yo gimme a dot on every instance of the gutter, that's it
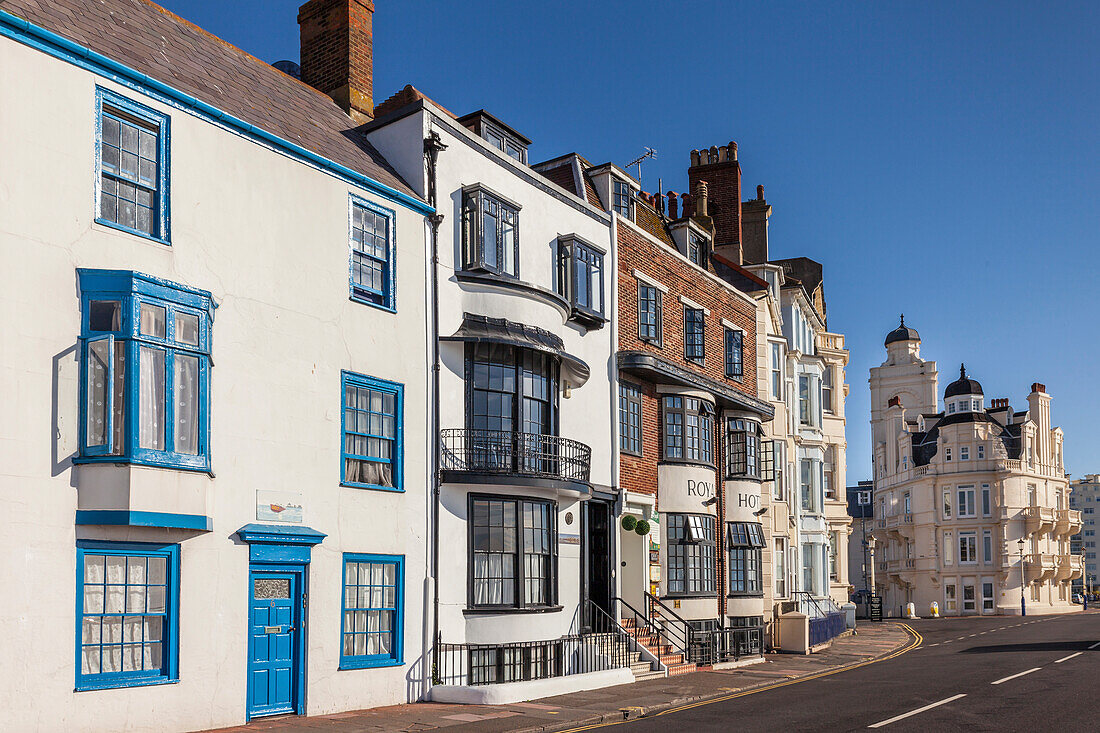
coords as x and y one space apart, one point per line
23 31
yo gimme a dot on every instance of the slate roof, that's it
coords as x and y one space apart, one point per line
925 445
160 44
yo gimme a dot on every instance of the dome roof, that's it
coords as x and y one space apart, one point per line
963 385
902 333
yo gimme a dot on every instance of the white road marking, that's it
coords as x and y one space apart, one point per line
1095 645
1014 676
914 712
1066 659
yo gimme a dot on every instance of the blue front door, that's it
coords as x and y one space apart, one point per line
274 651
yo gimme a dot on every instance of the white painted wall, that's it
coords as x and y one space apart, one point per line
268 236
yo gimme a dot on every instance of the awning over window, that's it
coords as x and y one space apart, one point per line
482 329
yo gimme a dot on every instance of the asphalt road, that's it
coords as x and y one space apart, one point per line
1036 673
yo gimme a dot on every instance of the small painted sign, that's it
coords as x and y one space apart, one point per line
279 506
569 539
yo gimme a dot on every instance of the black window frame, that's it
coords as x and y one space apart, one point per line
630 403
474 200
677 535
744 545
697 248
734 343
695 340
519 360
622 198
573 252
747 454
686 407
519 577
650 333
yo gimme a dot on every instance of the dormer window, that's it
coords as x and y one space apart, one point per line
623 202
501 140
697 249
951 408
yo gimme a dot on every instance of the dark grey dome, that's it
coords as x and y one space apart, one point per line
902 333
963 385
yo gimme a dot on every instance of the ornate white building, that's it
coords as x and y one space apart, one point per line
969 498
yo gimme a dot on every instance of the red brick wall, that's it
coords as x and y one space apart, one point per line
723 198
668 268
337 50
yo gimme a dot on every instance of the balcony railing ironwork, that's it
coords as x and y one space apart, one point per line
521 661
515 453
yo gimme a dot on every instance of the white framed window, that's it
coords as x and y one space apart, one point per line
964 453
947 454
777 372
951 408
950 601
780 567
967 507
981 452
968 548
827 390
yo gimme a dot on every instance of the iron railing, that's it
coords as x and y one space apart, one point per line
489 664
509 452
703 646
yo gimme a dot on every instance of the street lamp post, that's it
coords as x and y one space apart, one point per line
1023 605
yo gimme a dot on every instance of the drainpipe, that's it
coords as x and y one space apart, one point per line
432 147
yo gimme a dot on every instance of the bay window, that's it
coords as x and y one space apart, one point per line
581 280
689 429
691 554
744 543
490 232
144 370
743 449
513 558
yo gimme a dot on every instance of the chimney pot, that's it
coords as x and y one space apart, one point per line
713 154
672 209
700 198
760 192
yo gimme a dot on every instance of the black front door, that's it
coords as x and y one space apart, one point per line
597 582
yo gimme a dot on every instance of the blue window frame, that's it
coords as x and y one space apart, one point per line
373 254
127 614
373 432
373 611
145 370
131 166
735 347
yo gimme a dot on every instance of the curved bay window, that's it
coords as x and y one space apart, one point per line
744 543
689 429
490 232
691 554
743 455
513 553
511 407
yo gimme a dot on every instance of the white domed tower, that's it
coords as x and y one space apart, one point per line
903 378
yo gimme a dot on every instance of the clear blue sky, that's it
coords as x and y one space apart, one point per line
940 159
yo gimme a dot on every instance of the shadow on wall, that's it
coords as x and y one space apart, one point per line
65 412
417 678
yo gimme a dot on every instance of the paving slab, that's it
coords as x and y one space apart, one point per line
597 706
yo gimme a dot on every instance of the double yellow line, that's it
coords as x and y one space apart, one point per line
914 642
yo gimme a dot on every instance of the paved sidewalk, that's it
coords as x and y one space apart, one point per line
611 703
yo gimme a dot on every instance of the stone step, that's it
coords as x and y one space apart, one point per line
678 669
650 675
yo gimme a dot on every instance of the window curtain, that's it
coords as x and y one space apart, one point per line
185 390
151 399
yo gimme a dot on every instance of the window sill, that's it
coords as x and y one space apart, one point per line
349 664
590 319
688 596
117 683
123 460
686 462
504 611
136 232
366 301
744 477
373 487
747 594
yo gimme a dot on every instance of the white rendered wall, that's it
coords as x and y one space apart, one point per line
268 236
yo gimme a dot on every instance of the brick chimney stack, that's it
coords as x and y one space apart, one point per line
718 166
754 229
337 53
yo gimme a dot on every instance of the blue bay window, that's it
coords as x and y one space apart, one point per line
145 370
132 166
373 429
373 254
373 611
127 614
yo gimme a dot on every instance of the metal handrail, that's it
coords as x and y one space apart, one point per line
656 609
513 452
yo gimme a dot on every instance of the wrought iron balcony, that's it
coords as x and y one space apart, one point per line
510 454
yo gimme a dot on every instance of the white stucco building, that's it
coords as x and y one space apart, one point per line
1084 496
971 500
525 503
213 464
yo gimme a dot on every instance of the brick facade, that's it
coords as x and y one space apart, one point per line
337 57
